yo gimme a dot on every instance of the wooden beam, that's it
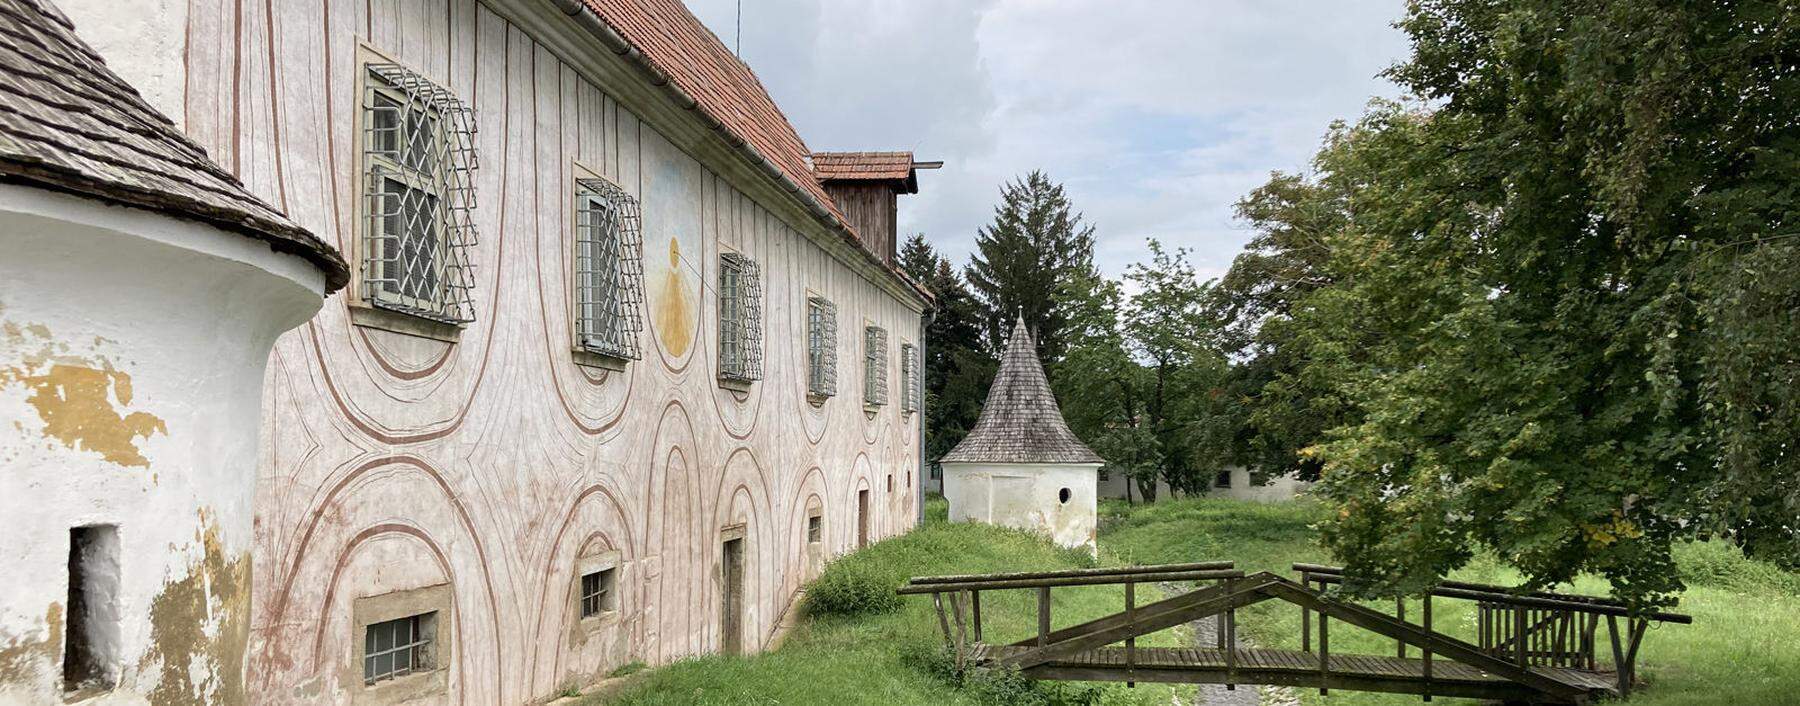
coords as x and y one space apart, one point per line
1242 593
1043 615
1068 573
975 612
1495 690
1117 619
994 585
1377 622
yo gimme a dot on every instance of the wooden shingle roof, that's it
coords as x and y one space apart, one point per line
68 123
1020 422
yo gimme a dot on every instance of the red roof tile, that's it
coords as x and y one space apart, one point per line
863 165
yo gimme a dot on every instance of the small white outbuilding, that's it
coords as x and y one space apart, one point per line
1021 466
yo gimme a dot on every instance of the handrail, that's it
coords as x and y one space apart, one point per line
1104 571
1500 594
994 585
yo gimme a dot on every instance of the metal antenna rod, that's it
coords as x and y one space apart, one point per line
740 30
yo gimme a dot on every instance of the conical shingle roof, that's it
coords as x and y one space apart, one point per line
70 124
1020 423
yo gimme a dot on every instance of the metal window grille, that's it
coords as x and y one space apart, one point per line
909 378
609 269
597 593
396 648
740 318
418 195
821 347
815 529
875 384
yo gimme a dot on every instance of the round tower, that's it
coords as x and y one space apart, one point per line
141 289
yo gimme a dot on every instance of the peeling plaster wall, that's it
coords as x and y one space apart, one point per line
132 350
1276 490
488 464
1026 496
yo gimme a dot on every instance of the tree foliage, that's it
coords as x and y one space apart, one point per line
958 368
1549 309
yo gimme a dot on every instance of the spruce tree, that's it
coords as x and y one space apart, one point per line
957 366
1036 244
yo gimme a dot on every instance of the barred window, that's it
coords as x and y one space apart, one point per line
875 384
609 269
396 648
418 195
821 347
740 318
909 378
598 594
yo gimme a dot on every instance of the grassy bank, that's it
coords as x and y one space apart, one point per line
892 657
1740 650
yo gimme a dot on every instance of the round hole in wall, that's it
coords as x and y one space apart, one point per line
1063 495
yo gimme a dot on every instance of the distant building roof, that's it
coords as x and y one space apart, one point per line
69 123
1020 422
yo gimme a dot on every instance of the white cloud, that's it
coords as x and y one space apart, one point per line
1156 115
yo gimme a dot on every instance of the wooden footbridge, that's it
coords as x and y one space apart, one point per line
1529 647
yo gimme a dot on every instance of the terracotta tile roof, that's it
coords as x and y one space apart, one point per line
678 45
69 123
863 165
1020 422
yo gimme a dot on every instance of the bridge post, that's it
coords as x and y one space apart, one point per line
1131 642
1519 631
1230 640
1043 615
975 612
1305 617
1426 610
1400 612
1324 653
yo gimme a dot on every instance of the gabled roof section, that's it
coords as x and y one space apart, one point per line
675 46
1020 422
68 123
676 43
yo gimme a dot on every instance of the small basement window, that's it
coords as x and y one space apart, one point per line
609 270
396 648
1222 479
815 529
418 196
91 630
740 318
598 594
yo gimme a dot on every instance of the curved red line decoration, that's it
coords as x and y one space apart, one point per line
394 370
280 606
627 553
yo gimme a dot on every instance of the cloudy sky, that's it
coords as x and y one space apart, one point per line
1156 114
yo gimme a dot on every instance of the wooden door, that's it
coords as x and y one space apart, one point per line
731 623
862 518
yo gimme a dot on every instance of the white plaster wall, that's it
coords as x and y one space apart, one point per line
1026 496
132 350
143 41
1276 490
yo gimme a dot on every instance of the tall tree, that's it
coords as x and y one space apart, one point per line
958 368
1034 246
1547 308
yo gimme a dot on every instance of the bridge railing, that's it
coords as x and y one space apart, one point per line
971 586
1531 629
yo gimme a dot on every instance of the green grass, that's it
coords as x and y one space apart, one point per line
1740 651
885 658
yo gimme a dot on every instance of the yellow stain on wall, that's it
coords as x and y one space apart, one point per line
79 401
674 312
